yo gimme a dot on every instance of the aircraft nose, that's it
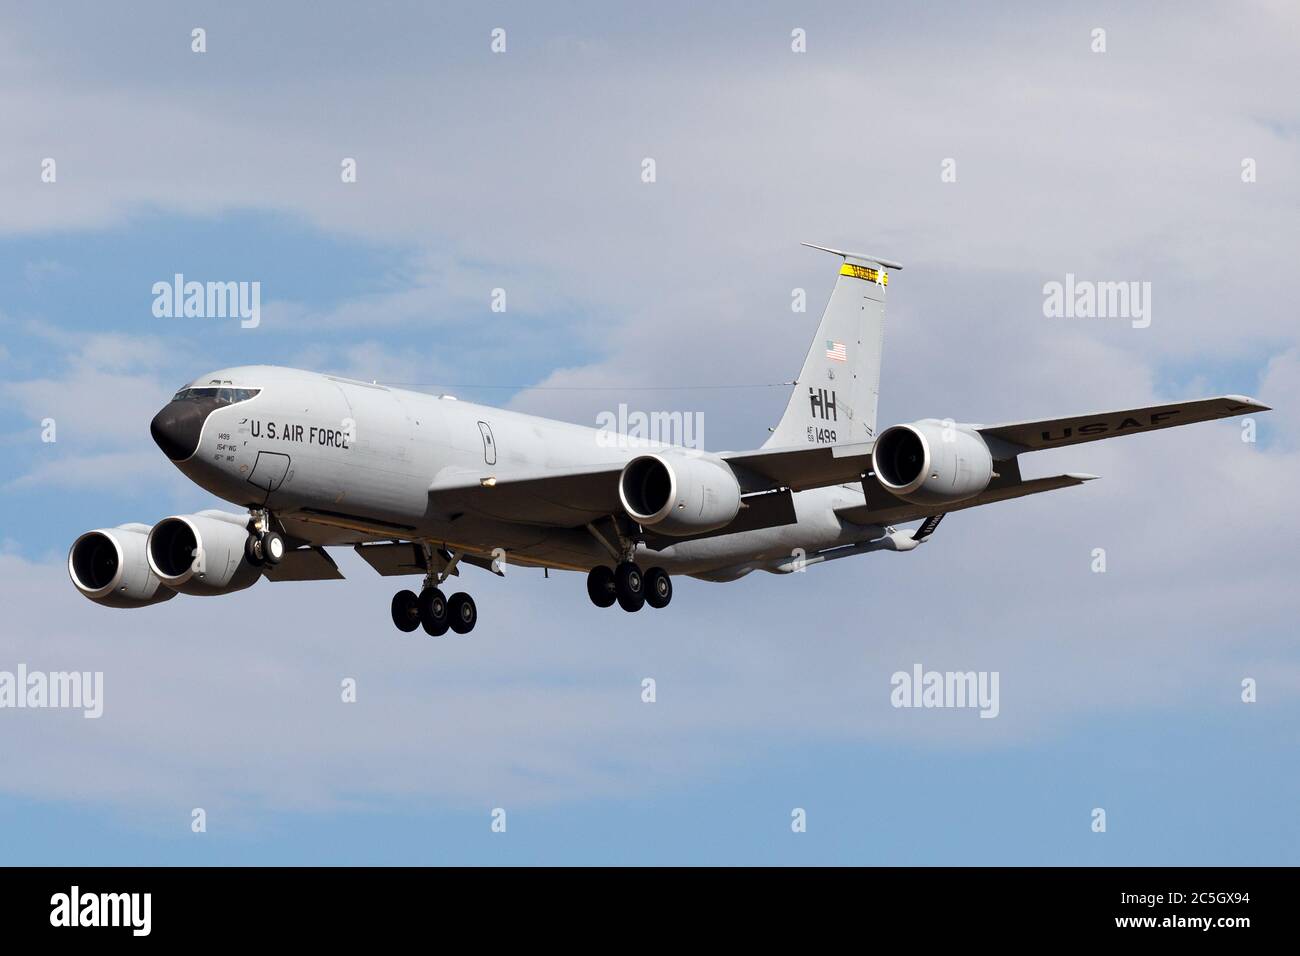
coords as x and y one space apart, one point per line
177 428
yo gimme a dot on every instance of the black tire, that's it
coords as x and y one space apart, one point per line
629 585
273 547
433 612
658 588
406 611
462 613
600 586
253 551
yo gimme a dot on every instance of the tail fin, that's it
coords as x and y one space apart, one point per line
834 398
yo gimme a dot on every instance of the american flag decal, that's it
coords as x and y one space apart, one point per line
836 351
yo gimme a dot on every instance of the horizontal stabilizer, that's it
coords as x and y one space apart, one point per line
899 511
1054 432
857 256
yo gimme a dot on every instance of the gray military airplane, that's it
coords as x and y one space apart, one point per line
423 485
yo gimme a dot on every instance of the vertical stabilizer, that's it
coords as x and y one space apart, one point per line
834 398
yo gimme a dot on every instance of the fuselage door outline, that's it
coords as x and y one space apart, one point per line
489 444
269 470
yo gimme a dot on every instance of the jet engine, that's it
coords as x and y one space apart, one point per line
932 462
202 553
110 567
679 494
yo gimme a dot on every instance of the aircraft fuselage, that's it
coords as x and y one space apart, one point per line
341 462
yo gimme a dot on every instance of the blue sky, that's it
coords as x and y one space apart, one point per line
521 171
880 806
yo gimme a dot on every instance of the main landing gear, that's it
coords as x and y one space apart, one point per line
433 610
626 584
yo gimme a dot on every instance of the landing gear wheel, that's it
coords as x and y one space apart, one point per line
462 613
629 585
406 611
253 551
600 586
658 588
433 612
272 547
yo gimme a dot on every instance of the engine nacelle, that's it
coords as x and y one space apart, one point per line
202 553
932 462
110 567
679 494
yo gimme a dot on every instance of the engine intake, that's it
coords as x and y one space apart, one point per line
202 554
932 462
109 566
679 494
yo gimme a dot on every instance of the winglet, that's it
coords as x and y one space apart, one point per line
859 256
1249 404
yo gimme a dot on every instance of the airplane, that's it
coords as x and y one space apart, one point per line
419 484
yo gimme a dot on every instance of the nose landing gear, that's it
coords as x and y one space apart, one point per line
267 548
263 546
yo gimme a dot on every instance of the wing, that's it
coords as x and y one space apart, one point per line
883 508
571 498
557 499
800 468
1053 432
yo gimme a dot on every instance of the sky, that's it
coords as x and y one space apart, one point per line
991 151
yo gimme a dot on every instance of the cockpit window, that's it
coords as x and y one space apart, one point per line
222 396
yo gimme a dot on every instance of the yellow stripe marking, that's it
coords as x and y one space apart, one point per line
865 272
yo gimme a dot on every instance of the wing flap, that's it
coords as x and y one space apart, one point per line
897 511
402 557
304 564
392 559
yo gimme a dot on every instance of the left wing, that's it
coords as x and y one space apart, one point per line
1054 432
559 499
896 510
800 467
572 497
